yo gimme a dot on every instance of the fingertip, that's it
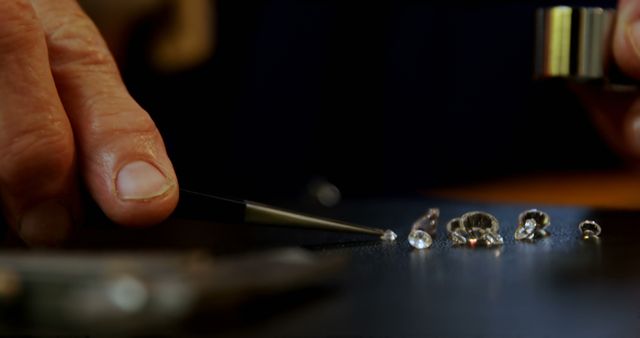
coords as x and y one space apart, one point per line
631 130
626 42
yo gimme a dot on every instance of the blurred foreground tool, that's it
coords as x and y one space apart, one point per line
138 292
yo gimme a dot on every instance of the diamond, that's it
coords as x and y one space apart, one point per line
428 222
532 224
420 239
458 237
389 236
589 229
527 230
475 228
490 238
479 220
484 237
588 234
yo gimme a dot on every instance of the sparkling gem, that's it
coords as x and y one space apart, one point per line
475 228
479 220
589 229
458 237
453 225
527 230
420 239
428 222
532 224
484 237
490 238
588 234
541 218
389 236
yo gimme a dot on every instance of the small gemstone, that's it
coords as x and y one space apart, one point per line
474 236
527 230
389 236
475 233
590 226
420 239
590 235
458 237
541 218
428 222
490 238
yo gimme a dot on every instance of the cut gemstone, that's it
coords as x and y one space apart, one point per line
590 229
458 237
479 220
389 236
588 234
526 231
420 239
475 229
428 222
490 238
541 218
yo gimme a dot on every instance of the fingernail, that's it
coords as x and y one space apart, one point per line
140 180
45 224
633 33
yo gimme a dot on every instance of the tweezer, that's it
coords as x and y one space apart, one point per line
200 206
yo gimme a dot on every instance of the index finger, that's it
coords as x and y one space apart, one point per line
122 155
626 38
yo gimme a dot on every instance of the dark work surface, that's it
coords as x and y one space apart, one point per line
559 286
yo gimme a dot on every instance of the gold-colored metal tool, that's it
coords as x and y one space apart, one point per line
201 206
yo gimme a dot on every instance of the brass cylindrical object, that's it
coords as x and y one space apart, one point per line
573 43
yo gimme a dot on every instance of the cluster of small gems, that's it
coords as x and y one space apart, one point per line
531 225
475 229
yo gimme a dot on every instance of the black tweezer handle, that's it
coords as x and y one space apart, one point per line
196 205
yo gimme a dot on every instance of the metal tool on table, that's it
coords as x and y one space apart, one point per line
195 205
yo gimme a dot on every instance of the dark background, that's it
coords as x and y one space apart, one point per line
376 97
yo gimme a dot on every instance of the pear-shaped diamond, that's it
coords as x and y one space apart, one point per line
527 230
458 237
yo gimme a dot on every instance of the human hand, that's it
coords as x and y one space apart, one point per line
617 112
66 119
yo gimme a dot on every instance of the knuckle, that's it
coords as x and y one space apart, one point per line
19 25
114 125
34 157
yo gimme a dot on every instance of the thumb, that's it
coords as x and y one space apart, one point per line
626 38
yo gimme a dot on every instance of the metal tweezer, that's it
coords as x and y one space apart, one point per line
196 205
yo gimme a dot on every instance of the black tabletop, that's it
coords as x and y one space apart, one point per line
560 285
